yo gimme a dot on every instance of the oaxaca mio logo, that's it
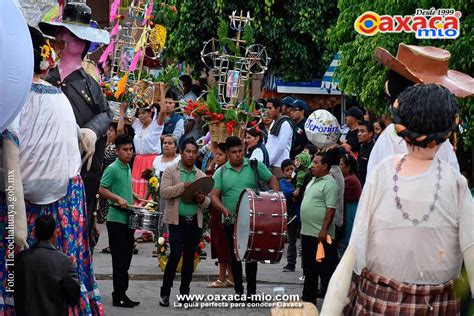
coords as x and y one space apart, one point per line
426 24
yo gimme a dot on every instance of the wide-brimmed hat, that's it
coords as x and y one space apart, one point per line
427 64
77 19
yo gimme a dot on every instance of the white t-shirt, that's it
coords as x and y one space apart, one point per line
49 148
428 253
389 143
147 140
160 166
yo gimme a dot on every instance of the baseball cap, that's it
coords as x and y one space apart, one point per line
300 104
355 112
288 101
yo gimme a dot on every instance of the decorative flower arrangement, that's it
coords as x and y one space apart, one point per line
163 244
154 188
109 90
48 56
163 254
170 76
153 184
213 114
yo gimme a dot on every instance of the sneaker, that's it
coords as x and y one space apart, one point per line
289 268
165 301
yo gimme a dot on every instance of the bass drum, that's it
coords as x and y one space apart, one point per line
260 231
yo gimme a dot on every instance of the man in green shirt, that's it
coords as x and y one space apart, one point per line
229 181
116 186
317 213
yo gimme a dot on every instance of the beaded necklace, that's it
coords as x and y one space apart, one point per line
398 203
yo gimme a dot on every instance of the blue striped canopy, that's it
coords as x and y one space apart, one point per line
329 82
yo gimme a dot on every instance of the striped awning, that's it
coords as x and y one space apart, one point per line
329 82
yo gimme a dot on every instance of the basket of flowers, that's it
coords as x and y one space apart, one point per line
132 96
225 121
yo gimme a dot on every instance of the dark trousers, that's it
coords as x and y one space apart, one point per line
184 239
293 229
313 270
250 267
91 181
121 245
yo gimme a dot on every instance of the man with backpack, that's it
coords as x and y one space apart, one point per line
280 137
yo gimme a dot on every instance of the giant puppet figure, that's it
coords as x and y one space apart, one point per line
15 83
90 107
414 224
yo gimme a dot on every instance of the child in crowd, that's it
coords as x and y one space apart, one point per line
310 149
293 204
116 186
302 164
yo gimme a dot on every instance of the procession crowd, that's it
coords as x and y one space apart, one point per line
343 201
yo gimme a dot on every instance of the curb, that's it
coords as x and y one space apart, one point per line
196 277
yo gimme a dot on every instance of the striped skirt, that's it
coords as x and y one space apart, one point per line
372 294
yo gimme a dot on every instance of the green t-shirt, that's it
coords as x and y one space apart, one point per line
117 178
320 194
186 209
233 182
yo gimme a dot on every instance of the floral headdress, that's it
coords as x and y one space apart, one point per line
49 57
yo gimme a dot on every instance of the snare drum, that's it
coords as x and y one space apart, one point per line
260 230
143 219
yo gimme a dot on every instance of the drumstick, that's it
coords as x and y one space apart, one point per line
118 206
292 219
152 202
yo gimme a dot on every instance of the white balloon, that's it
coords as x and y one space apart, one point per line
322 129
16 62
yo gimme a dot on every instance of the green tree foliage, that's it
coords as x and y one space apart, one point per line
293 31
361 75
196 22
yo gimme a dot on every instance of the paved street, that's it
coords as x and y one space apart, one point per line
146 276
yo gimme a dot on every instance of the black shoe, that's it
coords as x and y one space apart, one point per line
289 268
127 299
123 303
165 301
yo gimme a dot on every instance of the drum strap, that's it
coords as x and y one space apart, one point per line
259 185
222 178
